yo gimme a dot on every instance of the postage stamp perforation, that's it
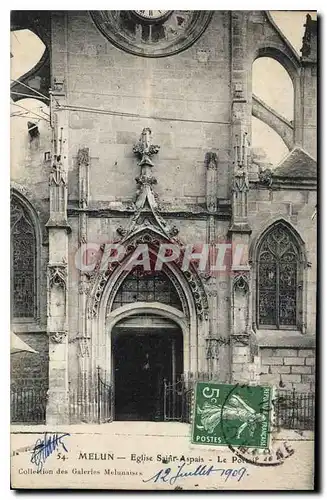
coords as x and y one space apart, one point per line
227 414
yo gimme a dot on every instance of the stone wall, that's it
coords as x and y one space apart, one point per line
192 91
288 368
27 163
309 89
245 367
29 369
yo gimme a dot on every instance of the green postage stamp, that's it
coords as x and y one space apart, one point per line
232 415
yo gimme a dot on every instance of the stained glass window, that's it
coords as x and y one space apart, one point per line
143 286
278 274
23 262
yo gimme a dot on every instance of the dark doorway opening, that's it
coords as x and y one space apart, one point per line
142 361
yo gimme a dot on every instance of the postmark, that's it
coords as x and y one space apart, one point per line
278 452
232 415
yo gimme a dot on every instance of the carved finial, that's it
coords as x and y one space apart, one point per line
144 149
306 48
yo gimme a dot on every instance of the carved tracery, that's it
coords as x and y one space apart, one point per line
57 275
241 282
278 278
147 286
23 254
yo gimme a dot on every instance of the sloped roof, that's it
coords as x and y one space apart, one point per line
297 164
18 345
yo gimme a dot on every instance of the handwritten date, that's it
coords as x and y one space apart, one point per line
170 476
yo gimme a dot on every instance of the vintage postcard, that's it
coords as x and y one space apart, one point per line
163 249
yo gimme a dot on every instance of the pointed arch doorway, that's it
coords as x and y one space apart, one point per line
146 345
166 294
146 351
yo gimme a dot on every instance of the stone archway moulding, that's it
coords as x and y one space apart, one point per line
103 349
99 319
189 281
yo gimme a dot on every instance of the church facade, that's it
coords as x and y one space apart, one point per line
150 248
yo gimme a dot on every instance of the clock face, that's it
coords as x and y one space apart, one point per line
152 33
152 14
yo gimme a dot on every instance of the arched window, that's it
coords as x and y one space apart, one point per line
23 262
278 279
143 286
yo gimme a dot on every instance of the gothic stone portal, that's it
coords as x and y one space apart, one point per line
142 359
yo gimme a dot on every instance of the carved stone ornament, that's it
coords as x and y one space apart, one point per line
153 239
84 347
146 199
57 174
121 231
213 345
57 337
307 38
144 149
57 275
241 150
265 177
82 239
212 206
83 156
199 294
240 183
241 282
146 180
241 338
205 276
211 160
173 231
84 287
247 339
